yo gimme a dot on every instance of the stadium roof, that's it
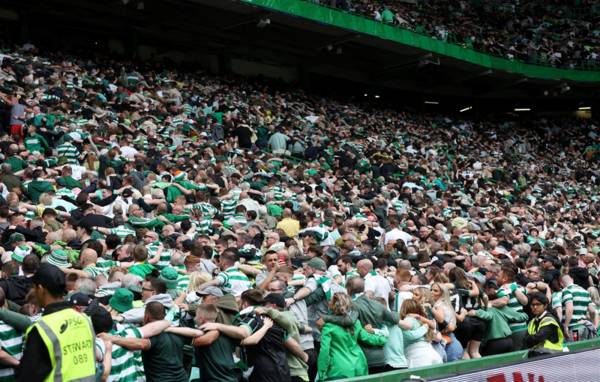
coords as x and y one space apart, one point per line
232 29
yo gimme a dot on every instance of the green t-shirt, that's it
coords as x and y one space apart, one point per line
141 270
16 163
387 16
163 362
216 361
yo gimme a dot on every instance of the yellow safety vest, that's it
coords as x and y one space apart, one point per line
550 347
69 338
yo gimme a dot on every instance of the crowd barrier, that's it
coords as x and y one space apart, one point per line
577 365
367 26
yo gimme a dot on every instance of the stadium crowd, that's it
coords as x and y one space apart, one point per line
555 33
219 227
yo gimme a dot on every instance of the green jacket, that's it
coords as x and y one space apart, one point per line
498 320
368 312
340 356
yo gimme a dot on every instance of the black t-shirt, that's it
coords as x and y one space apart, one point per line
163 362
269 356
244 136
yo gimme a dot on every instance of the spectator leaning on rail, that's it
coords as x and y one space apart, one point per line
544 334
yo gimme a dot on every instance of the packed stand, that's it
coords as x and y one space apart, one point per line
215 229
554 33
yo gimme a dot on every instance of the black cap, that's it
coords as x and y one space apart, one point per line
298 261
50 277
275 299
80 299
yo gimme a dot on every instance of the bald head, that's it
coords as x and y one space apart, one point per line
363 267
88 256
355 285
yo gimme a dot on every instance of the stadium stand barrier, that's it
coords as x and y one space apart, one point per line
375 28
430 373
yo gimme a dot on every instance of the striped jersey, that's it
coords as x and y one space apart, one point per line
69 151
127 365
508 290
11 341
580 299
557 300
228 207
207 209
122 232
233 281
165 256
95 271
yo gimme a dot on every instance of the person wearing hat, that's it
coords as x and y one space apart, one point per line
170 276
58 258
14 240
61 343
122 300
210 294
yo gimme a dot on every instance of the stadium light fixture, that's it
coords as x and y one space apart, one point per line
432 103
366 95
263 22
522 109
376 95
585 108
466 109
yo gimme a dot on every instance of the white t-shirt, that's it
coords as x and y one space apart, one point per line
379 285
397 234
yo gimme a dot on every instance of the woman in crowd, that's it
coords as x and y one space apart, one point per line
419 351
445 317
544 332
340 355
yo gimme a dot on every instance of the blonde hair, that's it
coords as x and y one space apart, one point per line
197 279
594 295
341 304
425 295
445 297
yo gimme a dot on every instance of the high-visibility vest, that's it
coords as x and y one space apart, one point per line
547 346
69 338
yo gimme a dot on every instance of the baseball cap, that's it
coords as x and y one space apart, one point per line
275 299
210 291
50 277
15 238
122 300
80 299
317 263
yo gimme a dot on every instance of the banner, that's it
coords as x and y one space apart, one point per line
568 367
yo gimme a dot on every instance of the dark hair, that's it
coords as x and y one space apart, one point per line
539 296
253 297
112 241
30 263
95 245
156 310
158 285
